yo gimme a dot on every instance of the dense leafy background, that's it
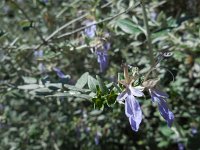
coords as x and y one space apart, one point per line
30 122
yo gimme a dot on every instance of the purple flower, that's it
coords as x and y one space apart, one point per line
181 146
132 107
153 15
102 56
97 137
102 50
90 31
1 106
6 9
59 73
160 98
194 130
38 54
87 130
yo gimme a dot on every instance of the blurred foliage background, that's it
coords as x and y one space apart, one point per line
29 122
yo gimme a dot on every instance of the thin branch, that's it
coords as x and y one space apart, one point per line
68 24
106 5
99 22
71 22
46 41
65 25
50 37
29 19
148 33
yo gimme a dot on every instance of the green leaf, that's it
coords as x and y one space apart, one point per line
53 86
1 33
25 24
166 131
60 95
50 55
102 85
95 112
82 81
74 88
98 103
28 87
101 117
92 83
111 98
29 80
84 96
128 26
41 92
163 144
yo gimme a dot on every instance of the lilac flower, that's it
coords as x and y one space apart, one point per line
90 31
194 130
87 130
1 125
1 106
181 146
38 54
97 137
59 73
102 50
132 107
160 98
6 9
153 15
102 56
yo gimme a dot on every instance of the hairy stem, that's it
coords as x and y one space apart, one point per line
148 33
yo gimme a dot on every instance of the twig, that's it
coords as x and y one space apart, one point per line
71 22
29 19
148 33
50 37
99 22
66 25
106 5
46 41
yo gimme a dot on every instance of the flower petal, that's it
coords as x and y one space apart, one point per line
90 31
133 112
160 93
59 73
181 146
136 92
102 58
154 97
135 123
122 96
106 46
165 112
